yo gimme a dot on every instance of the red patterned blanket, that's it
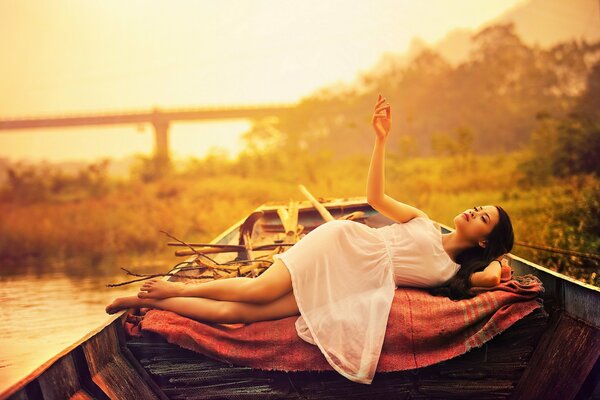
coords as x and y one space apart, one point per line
422 329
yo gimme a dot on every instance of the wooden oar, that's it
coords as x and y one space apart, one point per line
320 208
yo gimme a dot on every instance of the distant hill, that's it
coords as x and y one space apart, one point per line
541 22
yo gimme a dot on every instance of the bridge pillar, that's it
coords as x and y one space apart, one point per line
161 141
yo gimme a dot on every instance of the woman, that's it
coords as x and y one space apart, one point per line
340 277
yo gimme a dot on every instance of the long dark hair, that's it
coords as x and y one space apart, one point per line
476 258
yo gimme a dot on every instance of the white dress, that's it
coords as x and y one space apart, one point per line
344 274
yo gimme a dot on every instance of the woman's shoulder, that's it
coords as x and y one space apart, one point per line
426 221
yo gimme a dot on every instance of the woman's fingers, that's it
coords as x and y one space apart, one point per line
382 117
382 108
386 114
379 114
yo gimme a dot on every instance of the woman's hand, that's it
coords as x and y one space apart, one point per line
490 275
382 118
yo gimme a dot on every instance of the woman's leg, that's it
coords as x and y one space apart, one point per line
227 312
273 283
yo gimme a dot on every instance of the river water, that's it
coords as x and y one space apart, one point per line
45 308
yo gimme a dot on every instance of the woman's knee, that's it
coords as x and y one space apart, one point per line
234 312
272 284
230 312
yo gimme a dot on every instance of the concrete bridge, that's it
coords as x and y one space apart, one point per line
160 119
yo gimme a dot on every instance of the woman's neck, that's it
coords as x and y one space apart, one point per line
454 244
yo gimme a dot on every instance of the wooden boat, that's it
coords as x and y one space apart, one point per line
549 354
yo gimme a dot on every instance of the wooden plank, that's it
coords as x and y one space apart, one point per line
591 387
562 360
135 363
61 381
20 395
110 370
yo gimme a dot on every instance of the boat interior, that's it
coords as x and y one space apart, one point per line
551 352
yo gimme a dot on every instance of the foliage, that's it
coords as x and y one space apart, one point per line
31 183
148 169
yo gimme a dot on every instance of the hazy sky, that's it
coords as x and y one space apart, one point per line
76 56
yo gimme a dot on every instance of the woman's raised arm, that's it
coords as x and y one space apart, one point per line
376 197
381 123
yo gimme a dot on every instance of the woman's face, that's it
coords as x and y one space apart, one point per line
476 223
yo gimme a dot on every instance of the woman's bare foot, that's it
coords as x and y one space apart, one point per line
158 289
121 303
